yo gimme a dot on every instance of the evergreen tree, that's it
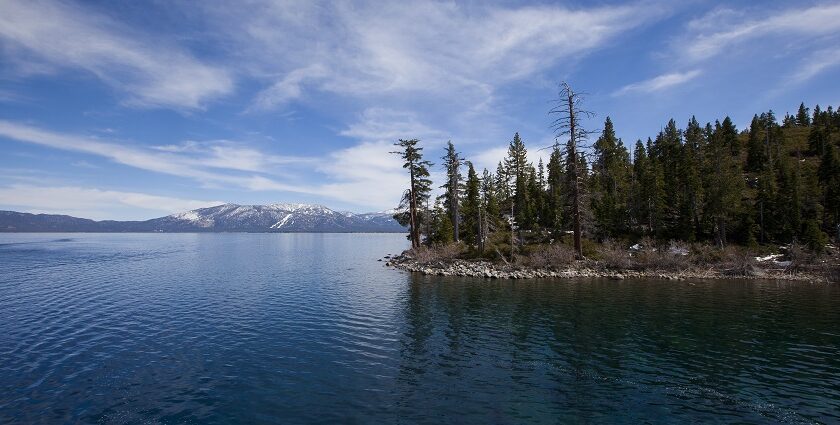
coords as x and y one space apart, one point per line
610 177
648 189
471 208
418 191
691 166
516 164
666 155
802 117
724 184
556 200
490 203
757 158
451 195
535 199
442 229
829 179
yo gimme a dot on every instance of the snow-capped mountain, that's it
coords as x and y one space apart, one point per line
226 218
275 218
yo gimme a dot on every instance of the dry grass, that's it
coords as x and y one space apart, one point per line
738 262
547 256
612 255
429 254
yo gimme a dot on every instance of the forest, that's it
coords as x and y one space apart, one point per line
774 183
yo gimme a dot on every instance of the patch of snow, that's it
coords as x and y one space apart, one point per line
282 222
635 247
187 216
677 250
770 257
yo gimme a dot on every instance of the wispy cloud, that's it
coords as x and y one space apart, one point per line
49 35
200 163
658 83
816 64
719 30
93 203
459 52
346 174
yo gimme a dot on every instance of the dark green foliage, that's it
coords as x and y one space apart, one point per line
554 212
610 183
516 165
774 184
451 195
802 118
442 229
417 195
647 194
471 207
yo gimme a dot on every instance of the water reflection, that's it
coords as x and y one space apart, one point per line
570 351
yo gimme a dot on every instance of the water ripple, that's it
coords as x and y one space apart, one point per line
311 329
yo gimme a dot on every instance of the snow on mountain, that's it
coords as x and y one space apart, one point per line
220 218
282 217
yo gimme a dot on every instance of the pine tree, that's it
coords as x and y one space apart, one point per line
452 163
516 164
418 191
757 153
829 178
666 155
442 229
802 117
724 184
648 190
691 166
489 199
556 199
471 208
535 199
610 177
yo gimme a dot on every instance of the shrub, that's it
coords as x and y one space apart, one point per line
546 256
814 237
613 256
738 262
440 252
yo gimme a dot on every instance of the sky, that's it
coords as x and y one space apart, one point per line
135 110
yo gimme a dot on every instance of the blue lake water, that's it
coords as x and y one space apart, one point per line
310 328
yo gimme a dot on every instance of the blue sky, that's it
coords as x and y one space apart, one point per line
133 110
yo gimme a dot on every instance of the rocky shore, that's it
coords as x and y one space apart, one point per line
584 269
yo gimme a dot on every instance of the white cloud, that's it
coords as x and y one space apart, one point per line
93 203
198 161
444 50
366 174
658 83
721 29
382 124
48 35
816 64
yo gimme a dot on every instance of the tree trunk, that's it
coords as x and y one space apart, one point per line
412 207
575 177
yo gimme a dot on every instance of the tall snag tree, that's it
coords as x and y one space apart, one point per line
569 112
451 197
419 190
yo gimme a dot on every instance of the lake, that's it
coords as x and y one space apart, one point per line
311 328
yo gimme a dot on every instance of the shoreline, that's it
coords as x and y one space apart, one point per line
490 270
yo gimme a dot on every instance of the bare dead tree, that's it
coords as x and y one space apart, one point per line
568 111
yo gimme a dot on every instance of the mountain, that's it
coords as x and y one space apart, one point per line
273 218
